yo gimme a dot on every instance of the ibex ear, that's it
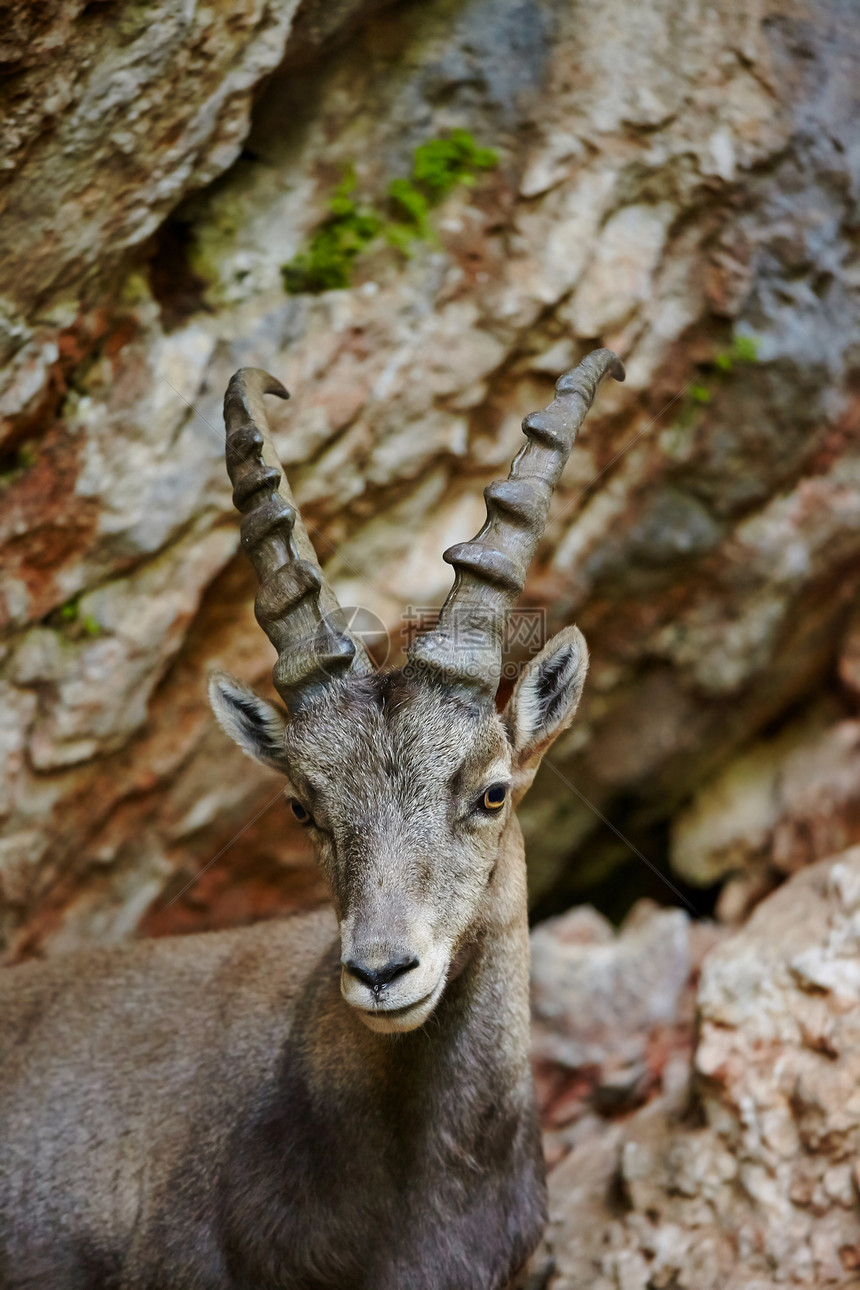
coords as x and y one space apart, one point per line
255 725
544 702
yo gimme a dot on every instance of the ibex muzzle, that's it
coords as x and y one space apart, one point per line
266 1107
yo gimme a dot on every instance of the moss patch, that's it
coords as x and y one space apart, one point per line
441 164
70 614
401 218
327 262
725 363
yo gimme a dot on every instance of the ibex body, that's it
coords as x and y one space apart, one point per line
338 1101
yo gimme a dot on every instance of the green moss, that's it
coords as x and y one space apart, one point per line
327 262
441 164
410 206
744 349
70 613
438 166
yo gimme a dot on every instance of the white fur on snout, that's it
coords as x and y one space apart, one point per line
416 991
386 1024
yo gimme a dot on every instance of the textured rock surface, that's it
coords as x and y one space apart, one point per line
612 1013
112 112
671 178
593 994
782 804
743 1176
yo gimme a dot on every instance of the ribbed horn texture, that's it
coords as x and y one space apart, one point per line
295 606
490 571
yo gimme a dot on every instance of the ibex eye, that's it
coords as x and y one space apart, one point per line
494 798
299 812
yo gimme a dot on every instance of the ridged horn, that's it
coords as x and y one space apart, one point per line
295 606
490 571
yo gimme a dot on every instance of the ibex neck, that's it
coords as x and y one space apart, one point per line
487 996
404 1144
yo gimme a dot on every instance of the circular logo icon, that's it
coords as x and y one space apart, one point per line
362 625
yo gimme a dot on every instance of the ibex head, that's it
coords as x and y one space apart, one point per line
406 780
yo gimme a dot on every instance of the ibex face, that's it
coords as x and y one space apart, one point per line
406 789
406 780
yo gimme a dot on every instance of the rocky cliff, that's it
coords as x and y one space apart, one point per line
677 181
738 1169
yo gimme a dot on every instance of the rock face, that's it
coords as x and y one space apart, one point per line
782 804
610 1012
113 113
676 182
744 1174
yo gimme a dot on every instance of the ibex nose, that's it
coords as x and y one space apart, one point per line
376 978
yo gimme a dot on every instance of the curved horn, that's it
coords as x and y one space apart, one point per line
295 606
490 571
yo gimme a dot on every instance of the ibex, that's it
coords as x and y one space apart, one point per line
285 1107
